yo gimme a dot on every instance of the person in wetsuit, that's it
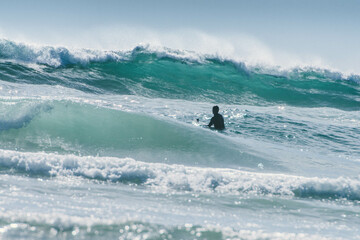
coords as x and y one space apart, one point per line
217 120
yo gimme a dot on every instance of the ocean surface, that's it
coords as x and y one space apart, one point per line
105 145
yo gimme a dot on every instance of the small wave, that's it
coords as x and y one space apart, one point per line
47 226
163 177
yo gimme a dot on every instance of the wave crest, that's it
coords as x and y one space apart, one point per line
53 56
176 74
62 57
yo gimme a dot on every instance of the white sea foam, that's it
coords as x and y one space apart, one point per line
164 177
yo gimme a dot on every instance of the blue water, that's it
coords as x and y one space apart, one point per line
105 144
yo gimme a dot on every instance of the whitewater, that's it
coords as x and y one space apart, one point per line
99 144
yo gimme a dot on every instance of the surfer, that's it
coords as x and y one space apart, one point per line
217 120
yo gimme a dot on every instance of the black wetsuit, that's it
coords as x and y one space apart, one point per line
218 122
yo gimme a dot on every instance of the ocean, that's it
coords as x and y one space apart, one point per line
99 144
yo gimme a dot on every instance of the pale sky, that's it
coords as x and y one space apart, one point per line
278 31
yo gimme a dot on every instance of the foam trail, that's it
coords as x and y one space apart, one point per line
164 177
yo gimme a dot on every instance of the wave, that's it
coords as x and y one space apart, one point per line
92 228
78 128
176 74
155 130
165 177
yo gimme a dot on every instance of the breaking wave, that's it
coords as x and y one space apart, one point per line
164 177
177 74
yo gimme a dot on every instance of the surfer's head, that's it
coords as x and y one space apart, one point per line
215 109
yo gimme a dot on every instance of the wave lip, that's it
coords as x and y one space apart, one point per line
62 56
14 118
164 177
54 56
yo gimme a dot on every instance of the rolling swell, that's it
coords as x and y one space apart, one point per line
177 75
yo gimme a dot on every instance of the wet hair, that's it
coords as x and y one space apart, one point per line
215 109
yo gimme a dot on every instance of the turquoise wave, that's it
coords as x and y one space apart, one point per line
174 75
93 129
74 128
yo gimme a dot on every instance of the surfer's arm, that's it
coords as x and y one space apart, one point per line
211 122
